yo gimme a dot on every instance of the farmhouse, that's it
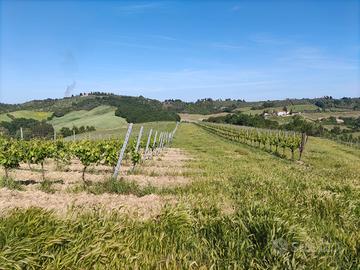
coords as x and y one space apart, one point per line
339 121
282 113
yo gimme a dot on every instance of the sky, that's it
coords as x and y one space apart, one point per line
252 50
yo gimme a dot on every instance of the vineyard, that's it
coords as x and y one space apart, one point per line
225 203
106 152
269 140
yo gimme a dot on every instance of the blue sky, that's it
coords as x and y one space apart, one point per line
252 50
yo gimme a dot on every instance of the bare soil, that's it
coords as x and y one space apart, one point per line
164 170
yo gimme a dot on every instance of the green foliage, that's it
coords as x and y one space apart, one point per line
10 183
66 132
245 120
87 152
110 150
140 109
116 186
46 186
10 154
31 128
256 137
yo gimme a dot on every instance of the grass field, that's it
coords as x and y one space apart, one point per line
315 116
26 114
120 132
295 108
102 117
244 209
198 117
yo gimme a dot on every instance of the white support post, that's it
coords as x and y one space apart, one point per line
147 144
54 135
154 144
21 133
122 152
139 139
165 139
160 143
74 135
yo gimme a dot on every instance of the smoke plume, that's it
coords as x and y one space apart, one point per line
69 89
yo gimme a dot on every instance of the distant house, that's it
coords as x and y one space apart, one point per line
282 113
339 121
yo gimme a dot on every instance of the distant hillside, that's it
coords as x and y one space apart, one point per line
133 109
141 109
210 106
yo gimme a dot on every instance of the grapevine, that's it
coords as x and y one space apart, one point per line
258 137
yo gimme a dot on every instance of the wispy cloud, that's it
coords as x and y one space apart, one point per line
316 58
163 37
227 46
139 7
133 45
268 39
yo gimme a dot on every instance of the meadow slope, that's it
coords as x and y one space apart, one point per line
244 209
101 117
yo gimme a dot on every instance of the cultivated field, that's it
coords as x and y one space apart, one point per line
204 202
102 117
25 114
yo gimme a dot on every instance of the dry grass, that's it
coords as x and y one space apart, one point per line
143 207
57 193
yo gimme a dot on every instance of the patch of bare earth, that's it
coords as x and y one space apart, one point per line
143 207
164 170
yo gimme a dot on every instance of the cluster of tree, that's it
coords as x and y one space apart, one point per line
297 123
96 93
245 120
203 106
66 132
328 102
352 123
31 128
265 105
140 109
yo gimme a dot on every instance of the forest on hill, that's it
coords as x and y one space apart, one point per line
134 108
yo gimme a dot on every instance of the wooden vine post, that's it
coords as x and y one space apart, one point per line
139 139
304 138
122 152
160 143
154 143
147 144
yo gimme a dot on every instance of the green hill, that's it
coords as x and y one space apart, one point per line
102 117
25 114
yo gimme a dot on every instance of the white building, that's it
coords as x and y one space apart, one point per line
283 113
339 121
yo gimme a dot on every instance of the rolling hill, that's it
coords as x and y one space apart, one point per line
102 117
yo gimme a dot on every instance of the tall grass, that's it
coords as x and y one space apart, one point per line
115 186
10 183
284 215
